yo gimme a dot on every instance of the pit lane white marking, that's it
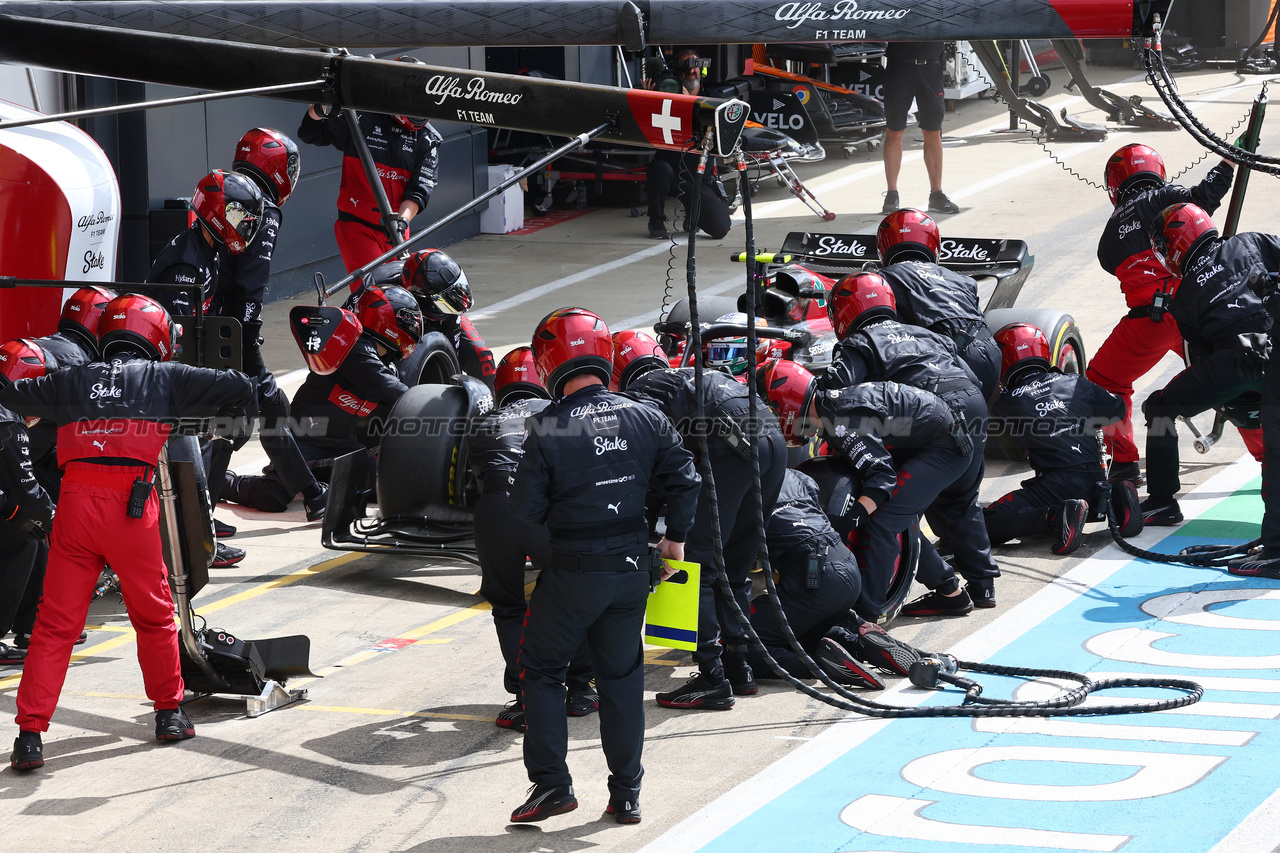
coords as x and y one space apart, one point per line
666 122
1184 609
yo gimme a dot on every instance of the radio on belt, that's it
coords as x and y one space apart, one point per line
139 493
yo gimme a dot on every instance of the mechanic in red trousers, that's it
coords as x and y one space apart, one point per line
1139 188
113 418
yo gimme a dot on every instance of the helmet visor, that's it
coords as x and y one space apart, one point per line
410 321
242 220
454 299
731 352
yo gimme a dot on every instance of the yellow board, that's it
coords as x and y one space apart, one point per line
671 619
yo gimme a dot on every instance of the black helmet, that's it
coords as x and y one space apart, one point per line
438 282
411 123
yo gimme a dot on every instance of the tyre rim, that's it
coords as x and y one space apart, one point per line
1068 361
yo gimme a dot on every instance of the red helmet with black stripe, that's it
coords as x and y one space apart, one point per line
271 159
908 235
230 206
858 299
1133 166
571 342
789 390
391 315
1178 233
1022 346
137 322
438 282
634 354
517 378
23 358
82 311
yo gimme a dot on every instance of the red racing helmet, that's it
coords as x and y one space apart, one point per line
23 358
517 378
230 206
139 322
1178 233
438 282
391 315
1022 346
789 390
908 235
634 354
82 311
571 342
1133 165
858 299
271 159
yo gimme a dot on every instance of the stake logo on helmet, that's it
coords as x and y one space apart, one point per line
858 299
634 354
558 360
908 235
517 378
230 206
82 312
1133 167
1178 233
137 322
391 315
438 282
1022 347
789 390
271 159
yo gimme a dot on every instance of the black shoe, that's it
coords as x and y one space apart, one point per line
741 680
886 653
222 530
172 724
939 203
1130 471
545 801
28 751
1067 526
1128 510
1161 512
982 596
624 811
316 506
937 604
890 203
9 655
699 693
23 641
1263 563
658 229
581 701
511 716
226 556
841 666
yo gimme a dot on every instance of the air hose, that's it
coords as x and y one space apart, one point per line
1199 556
1067 703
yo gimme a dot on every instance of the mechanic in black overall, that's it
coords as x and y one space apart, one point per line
444 295
269 159
26 510
722 643
932 296
495 444
1225 325
342 411
589 462
905 446
1053 416
875 347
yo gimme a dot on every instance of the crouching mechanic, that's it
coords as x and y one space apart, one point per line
113 420
589 461
905 446
504 542
1053 417
444 295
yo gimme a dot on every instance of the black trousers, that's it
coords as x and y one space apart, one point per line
719 632
982 355
1025 511
607 610
955 516
267 492
662 180
1211 381
1271 454
20 582
810 612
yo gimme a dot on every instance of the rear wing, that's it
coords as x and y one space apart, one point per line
1006 261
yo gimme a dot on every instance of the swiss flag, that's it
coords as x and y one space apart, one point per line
665 120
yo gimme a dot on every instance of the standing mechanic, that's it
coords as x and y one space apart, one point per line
875 347
113 420
913 71
930 295
589 462
406 152
1139 188
444 295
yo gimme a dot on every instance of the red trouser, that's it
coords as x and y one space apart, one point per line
1134 346
359 243
92 528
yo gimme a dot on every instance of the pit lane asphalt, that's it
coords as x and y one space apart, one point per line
395 749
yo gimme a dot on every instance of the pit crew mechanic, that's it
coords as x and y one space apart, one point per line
444 296
589 462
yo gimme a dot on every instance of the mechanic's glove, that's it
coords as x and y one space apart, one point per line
31 526
1253 351
401 226
853 518
322 110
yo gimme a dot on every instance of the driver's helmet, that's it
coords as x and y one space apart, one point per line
730 354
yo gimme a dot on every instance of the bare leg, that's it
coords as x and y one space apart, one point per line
932 158
893 158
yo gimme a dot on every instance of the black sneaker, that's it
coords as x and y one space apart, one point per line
742 680
841 666
226 556
1130 471
624 811
1161 512
222 530
316 506
23 641
699 693
28 751
983 596
1128 510
511 716
172 724
937 604
581 701
544 802
658 229
890 203
1067 526
9 655
886 653
1263 563
939 203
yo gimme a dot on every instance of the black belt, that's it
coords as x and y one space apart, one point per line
596 563
1154 310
